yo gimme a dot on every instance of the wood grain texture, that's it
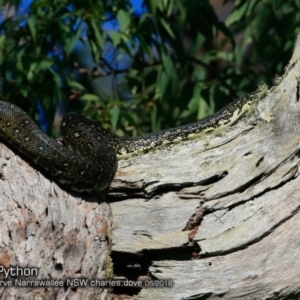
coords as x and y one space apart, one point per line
218 215
239 191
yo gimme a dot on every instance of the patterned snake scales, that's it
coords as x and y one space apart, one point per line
90 161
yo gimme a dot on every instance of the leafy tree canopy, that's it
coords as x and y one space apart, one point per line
172 63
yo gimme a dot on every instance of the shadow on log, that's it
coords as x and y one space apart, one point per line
217 215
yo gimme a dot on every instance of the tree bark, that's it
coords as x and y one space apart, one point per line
217 215
44 227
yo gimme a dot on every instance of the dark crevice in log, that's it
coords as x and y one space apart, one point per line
250 183
134 266
134 193
138 264
251 242
127 292
259 161
167 188
241 202
248 153
266 190
195 219
128 266
213 179
176 187
124 194
240 189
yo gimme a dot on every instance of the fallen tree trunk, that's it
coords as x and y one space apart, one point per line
216 216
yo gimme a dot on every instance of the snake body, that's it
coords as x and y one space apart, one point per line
90 161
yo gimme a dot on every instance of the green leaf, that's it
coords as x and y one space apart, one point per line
123 18
170 7
45 64
31 21
89 97
97 51
31 71
116 37
167 27
76 85
73 40
56 78
155 124
243 9
97 37
114 113
197 43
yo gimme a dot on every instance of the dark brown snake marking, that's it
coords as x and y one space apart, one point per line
90 161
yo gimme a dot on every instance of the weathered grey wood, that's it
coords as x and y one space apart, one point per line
229 200
248 218
267 269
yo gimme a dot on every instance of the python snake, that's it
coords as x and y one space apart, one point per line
90 161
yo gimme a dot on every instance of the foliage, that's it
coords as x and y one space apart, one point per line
185 62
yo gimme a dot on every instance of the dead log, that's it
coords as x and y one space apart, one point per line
217 215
